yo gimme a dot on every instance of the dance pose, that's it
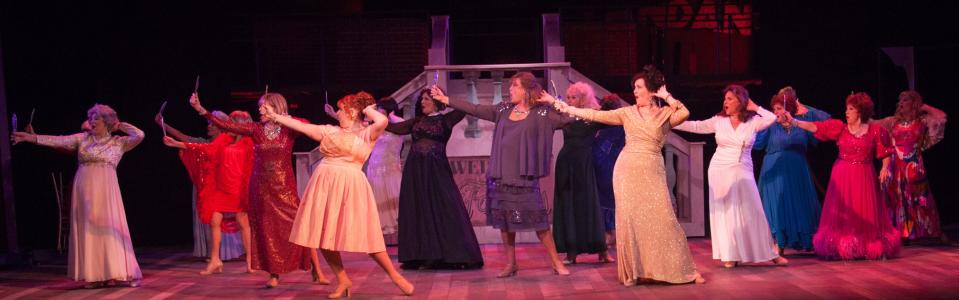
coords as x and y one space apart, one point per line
520 156
273 199
737 222
435 227
785 181
650 243
100 248
221 171
577 217
855 222
231 243
914 128
339 210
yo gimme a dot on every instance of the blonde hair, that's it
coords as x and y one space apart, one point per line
277 101
586 95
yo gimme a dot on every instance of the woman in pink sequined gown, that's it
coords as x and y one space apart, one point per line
914 128
339 210
100 246
273 199
855 221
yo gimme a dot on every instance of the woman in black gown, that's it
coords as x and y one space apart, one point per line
577 218
434 226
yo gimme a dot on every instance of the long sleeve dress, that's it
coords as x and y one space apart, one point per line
785 182
435 227
339 209
855 222
273 200
738 226
912 204
100 245
577 216
521 154
650 242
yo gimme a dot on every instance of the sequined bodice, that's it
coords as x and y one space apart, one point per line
859 150
104 150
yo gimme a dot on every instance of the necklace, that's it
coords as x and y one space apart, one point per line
271 130
517 111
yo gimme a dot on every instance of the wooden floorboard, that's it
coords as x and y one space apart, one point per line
921 272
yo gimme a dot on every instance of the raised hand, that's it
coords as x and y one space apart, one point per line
437 94
266 110
21 136
545 97
329 110
663 93
751 106
169 141
195 103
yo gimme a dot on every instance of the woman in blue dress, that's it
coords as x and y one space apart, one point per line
785 182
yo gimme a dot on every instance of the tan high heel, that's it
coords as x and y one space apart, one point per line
211 269
345 292
781 261
510 271
405 286
273 282
317 279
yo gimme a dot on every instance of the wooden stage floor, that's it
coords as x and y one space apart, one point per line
921 272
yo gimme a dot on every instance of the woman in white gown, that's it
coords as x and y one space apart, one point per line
100 246
738 227
384 172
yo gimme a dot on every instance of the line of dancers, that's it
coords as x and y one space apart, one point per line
610 183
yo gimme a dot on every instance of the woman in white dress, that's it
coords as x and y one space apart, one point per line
100 246
384 172
738 226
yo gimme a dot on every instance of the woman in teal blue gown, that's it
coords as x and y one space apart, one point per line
785 182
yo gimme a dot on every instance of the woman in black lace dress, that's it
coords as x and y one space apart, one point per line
434 226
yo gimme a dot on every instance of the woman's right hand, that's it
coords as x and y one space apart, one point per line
267 112
21 136
195 103
437 94
329 110
169 141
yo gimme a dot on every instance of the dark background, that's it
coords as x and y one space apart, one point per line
62 57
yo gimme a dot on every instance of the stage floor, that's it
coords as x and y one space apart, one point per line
921 272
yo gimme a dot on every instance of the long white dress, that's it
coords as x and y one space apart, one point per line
100 246
738 226
385 174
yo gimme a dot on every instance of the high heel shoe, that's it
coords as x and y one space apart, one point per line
345 292
563 272
508 272
780 261
211 269
699 279
730 264
569 260
273 282
405 286
606 258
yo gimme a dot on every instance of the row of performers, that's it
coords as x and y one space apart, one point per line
610 183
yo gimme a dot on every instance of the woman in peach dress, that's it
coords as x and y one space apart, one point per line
339 210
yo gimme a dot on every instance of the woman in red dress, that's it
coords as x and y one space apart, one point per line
273 199
855 221
221 171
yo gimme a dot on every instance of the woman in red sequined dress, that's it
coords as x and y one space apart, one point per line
273 199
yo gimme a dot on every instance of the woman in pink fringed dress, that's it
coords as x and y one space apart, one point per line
855 221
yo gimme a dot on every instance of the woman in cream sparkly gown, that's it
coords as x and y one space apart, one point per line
650 243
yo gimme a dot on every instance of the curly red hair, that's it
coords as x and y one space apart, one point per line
356 102
863 103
